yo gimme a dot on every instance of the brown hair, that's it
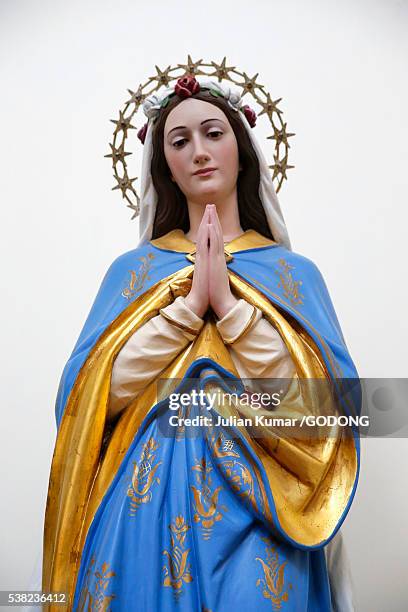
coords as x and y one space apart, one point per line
172 210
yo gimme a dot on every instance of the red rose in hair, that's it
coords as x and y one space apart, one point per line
142 133
250 115
186 86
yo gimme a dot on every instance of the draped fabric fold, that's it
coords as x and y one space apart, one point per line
167 518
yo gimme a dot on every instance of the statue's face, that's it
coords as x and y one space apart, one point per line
198 135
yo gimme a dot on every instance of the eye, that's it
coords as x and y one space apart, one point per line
176 143
214 133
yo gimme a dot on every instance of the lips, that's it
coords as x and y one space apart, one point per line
204 171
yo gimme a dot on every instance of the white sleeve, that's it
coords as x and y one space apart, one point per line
256 346
150 350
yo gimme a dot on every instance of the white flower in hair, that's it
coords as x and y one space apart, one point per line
231 94
153 103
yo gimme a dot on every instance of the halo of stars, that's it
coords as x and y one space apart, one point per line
221 71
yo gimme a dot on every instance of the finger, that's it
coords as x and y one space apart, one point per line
205 246
201 246
205 215
208 222
218 224
213 241
201 263
202 234
217 230
203 222
207 239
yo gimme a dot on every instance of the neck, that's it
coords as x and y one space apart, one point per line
227 210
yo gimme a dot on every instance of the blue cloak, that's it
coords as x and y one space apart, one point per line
141 520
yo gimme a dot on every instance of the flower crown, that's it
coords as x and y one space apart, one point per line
186 87
213 76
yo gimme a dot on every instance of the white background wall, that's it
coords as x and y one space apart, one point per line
64 71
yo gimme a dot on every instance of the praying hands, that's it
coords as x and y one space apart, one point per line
210 285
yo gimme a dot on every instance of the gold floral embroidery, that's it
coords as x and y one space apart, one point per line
138 279
206 499
97 600
241 480
144 476
177 570
273 581
237 473
182 413
289 286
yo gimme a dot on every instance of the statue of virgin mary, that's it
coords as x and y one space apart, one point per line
173 485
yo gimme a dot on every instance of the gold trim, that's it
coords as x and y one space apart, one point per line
176 240
182 326
245 330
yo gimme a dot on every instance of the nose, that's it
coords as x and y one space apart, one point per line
200 153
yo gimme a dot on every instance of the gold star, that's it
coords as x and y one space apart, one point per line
135 208
191 67
117 154
281 136
221 70
269 106
123 123
137 96
124 183
280 166
162 76
249 84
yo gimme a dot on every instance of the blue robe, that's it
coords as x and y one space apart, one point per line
143 516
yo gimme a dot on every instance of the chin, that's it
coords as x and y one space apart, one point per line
209 192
